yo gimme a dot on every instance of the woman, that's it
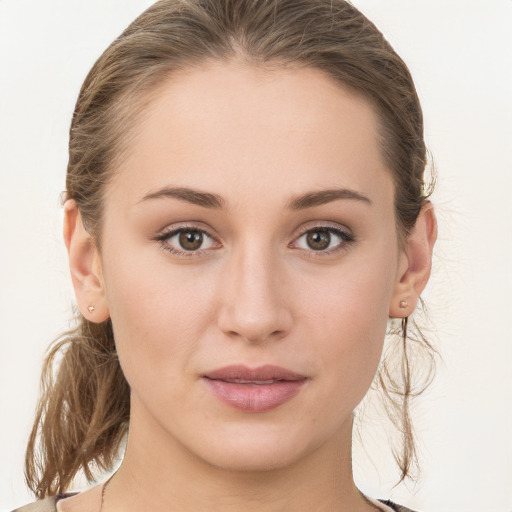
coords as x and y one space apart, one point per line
245 211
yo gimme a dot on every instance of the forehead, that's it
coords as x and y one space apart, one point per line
260 130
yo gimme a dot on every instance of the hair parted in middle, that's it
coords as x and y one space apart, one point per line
84 410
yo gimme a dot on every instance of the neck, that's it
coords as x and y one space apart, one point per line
160 474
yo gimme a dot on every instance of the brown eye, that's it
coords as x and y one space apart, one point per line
318 240
323 240
187 241
190 240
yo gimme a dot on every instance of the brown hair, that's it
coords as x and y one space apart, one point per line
83 413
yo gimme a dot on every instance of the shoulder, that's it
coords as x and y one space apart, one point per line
48 504
394 506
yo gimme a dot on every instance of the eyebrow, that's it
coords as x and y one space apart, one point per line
311 199
214 201
205 199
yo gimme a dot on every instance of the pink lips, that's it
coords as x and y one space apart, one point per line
254 390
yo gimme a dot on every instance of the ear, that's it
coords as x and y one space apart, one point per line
415 263
85 266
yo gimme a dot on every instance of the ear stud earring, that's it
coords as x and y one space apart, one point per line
403 304
91 308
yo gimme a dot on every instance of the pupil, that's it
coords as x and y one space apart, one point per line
319 240
191 240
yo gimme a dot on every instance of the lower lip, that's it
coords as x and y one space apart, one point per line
255 397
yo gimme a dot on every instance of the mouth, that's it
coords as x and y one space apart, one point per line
254 389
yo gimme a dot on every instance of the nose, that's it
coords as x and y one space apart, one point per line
255 303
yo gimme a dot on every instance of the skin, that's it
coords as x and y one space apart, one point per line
256 294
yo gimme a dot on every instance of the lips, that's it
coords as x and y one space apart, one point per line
254 389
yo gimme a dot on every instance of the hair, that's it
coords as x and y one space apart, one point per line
84 409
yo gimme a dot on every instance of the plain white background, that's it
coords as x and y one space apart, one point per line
460 54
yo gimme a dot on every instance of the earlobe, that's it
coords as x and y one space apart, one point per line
415 263
84 265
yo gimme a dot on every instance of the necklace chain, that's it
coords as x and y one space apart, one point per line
103 491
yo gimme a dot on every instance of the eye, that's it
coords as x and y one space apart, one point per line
186 241
323 239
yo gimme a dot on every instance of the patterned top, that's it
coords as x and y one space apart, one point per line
49 504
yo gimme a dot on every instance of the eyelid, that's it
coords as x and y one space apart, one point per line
326 226
168 232
344 233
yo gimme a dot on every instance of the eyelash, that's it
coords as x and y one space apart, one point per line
163 239
346 239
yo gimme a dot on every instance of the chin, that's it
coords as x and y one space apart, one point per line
253 459
252 449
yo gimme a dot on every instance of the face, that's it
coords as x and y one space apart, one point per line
249 257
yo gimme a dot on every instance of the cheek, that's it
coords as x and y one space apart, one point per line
158 317
350 317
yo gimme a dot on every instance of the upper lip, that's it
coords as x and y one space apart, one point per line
244 374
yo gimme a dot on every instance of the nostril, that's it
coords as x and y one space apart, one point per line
252 307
